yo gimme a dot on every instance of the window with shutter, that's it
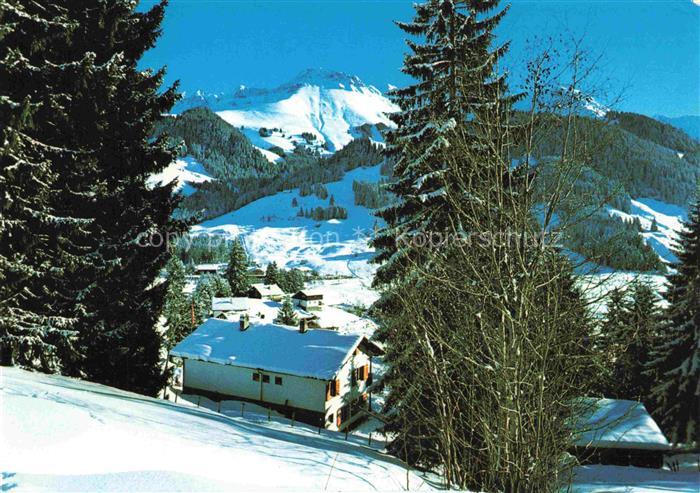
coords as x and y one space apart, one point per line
333 388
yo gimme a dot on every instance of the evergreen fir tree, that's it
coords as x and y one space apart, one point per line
36 331
454 68
100 106
613 330
285 314
115 106
219 285
177 309
271 273
628 333
237 270
201 299
456 88
291 281
676 356
633 382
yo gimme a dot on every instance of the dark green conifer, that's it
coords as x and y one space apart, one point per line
675 360
271 273
237 270
285 314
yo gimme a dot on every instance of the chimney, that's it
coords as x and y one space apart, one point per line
244 322
303 325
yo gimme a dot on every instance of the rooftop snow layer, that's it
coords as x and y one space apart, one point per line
316 353
230 304
616 423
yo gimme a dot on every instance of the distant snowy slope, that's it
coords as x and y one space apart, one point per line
329 105
185 171
272 230
63 434
669 221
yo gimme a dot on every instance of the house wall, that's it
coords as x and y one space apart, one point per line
347 393
309 304
298 392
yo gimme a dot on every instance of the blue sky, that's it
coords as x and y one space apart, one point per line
651 49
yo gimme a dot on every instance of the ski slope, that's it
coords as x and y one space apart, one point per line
669 220
63 434
272 231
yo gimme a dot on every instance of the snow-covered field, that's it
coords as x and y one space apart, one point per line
596 286
618 479
62 434
272 230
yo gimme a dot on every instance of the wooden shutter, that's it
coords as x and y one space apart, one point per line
365 372
337 386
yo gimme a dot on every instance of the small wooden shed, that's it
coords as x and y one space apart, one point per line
619 432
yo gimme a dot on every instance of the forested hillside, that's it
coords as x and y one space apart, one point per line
656 131
242 173
638 156
627 156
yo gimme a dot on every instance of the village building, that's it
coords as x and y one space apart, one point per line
319 377
209 269
267 292
229 307
256 275
621 433
308 299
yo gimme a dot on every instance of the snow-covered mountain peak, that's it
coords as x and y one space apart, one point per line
318 107
328 79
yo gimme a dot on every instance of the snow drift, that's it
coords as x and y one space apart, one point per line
62 434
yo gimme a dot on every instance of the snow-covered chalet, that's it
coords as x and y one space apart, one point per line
315 376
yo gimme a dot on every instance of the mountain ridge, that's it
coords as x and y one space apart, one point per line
690 124
319 108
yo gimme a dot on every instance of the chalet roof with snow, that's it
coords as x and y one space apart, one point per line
308 294
230 304
617 423
268 289
209 267
276 348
